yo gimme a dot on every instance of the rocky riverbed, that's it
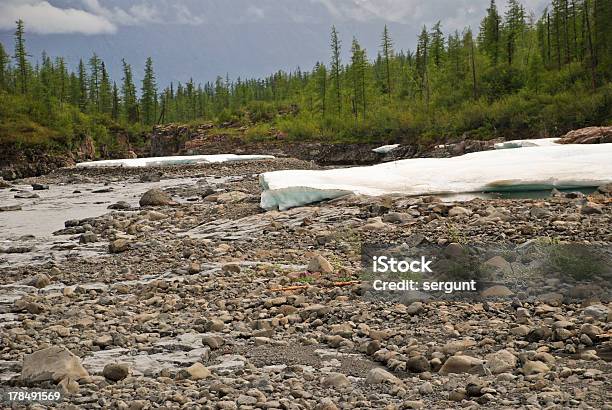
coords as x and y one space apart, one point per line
191 296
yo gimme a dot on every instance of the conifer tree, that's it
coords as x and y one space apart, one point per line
335 69
82 87
21 58
4 62
489 36
128 91
514 26
94 83
387 55
320 75
358 78
106 97
149 94
437 44
422 61
116 105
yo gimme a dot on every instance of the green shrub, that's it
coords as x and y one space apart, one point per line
258 132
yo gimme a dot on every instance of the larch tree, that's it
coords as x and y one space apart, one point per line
387 55
149 94
82 87
116 103
106 96
94 83
514 26
358 79
4 68
422 62
489 37
128 95
437 44
336 66
21 58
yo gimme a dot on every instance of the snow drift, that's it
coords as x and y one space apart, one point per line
176 160
385 148
544 167
542 142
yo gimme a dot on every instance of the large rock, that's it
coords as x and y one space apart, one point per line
52 364
589 135
156 197
417 364
231 197
534 367
119 246
379 376
319 264
459 364
196 371
116 371
496 291
337 380
501 361
598 312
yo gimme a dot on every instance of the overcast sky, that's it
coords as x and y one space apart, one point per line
240 37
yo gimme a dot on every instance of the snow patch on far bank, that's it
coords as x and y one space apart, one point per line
545 167
385 148
175 160
542 142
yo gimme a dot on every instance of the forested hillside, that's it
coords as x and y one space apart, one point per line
514 76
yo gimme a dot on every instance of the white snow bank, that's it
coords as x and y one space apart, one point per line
176 160
542 142
385 148
559 166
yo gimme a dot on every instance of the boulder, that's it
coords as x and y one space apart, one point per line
88 237
497 291
119 246
156 197
337 380
459 211
116 371
397 217
418 364
152 177
213 341
534 367
455 346
196 371
459 364
591 208
52 364
598 312
318 264
501 361
231 197
39 281
380 376
588 135
120 206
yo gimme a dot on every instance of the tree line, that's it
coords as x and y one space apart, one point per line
450 84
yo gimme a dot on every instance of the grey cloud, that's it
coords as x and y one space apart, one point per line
45 18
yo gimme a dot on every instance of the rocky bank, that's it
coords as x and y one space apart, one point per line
196 298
